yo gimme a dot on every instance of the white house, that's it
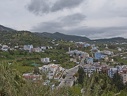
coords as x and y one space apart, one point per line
78 53
4 48
45 60
123 73
87 45
89 69
53 70
28 47
119 49
89 60
31 76
106 52
112 71
36 49
43 47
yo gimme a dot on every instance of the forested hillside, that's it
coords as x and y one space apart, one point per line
21 38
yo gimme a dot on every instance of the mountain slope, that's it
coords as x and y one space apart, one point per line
116 39
60 36
3 28
8 35
21 38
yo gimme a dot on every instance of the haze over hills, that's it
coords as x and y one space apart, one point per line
60 36
3 28
115 39
7 34
57 35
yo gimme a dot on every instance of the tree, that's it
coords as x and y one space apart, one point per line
36 70
117 81
81 75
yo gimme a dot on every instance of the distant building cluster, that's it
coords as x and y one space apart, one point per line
29 48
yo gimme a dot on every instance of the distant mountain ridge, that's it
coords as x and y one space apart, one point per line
8 34
61 36
3 28
115 39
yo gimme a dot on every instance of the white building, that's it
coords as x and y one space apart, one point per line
123 73
112 71
31 76
119 49
45 60
36 49
4 48
53 70
43 47
106 52
28 47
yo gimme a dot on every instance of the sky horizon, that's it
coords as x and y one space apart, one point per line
94 19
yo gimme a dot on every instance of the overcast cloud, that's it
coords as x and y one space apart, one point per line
91 18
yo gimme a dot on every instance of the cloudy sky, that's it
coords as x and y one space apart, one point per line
91 18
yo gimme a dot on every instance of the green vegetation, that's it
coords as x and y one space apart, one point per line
14 38
12 84
102 85
60 36
14 63
81 75
120 60
25 61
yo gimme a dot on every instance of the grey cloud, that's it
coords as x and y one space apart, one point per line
45 6
114 8
65 4
99 32
67 21
73 19
39 6
91 32
48 27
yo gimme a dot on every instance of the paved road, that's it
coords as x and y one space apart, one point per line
69 79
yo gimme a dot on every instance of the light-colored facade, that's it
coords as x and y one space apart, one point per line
4 48
54 71
28 47
45 60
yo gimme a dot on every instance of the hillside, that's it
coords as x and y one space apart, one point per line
21 38
8 35
60 36
116 39
3 28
